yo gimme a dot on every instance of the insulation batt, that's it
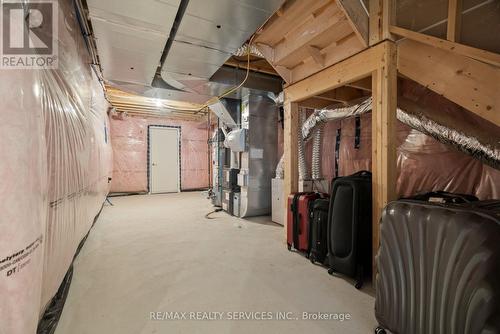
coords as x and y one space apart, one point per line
129 136
423 164
56 160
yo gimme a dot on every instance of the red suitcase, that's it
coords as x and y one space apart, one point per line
298 219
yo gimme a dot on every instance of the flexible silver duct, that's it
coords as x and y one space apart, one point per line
485 152
303 172
316 153
469 145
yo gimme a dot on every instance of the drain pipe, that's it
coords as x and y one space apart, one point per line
171 37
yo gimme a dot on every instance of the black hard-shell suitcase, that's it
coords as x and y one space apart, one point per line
319 229
350 226
439 268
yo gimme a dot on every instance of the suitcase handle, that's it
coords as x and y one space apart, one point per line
446 197
362 173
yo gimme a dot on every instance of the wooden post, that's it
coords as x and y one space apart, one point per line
454 20
291 171
384 85
382 16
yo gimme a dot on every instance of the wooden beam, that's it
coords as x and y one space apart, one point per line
317 102
342 94
384 172
454 20
257 65
467 82
358 18
468 51
285 73
363 84
332 54
348 70
312 32
291 171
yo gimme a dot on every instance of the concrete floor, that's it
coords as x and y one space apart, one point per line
160 254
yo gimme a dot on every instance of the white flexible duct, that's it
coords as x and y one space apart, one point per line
321 116
303 172
316 153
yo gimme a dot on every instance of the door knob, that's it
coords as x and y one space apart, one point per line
154 164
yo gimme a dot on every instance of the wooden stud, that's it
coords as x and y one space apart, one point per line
467 82
291 171
382 16
358 18
384 84
388 18
454 20
469 51
375 22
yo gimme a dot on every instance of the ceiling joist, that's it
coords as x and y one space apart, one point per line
357 17
467 82
310 35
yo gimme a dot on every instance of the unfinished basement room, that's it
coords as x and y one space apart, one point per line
250 166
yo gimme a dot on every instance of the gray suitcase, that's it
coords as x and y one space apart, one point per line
439 268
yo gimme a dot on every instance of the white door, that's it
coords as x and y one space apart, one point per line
164 159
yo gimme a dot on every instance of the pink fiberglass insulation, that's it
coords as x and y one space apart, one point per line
424 164
56 161
129 135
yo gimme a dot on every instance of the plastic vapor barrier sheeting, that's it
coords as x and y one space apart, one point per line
56 159
424 164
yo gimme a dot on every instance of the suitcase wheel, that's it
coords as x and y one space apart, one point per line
380 330
358 286
312 258
289 247
307 255
331 271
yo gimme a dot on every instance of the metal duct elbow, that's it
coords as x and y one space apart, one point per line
245 49
316 153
